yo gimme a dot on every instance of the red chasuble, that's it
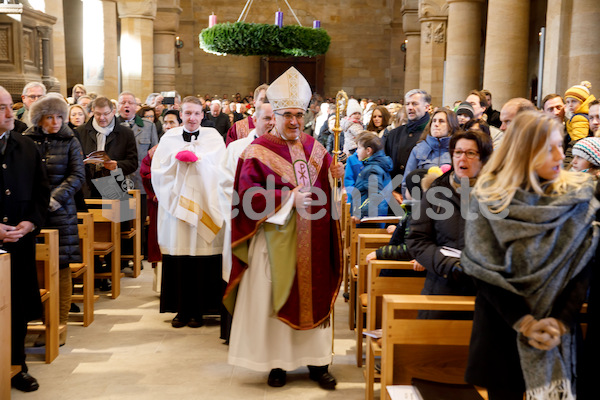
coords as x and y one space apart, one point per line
239 130
291 164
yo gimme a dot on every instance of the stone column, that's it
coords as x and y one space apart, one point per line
166 25
584 55
412 30
463 49
137 46
397 56
506 50
100 66
45 33
433 15
59 69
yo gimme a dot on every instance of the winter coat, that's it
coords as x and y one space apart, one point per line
400 142
63 160
24 197
120 146
351 131
431 152
378 165
427 236
578 126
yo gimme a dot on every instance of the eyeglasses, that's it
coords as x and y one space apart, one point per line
106 114
470 154
289 116
34 96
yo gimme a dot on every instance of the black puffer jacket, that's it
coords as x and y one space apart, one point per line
63 159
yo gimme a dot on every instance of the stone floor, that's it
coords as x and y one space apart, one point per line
132 352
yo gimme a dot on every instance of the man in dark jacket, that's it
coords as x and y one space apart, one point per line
400 141
221 120
23 204
102 132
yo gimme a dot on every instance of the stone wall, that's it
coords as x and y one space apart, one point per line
364 46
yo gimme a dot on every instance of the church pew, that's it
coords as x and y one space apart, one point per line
47 258
435 350
377 287
135 232
107 238
85 269
353 232
367 243
5 367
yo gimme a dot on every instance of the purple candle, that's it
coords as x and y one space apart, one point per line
316 24
279 18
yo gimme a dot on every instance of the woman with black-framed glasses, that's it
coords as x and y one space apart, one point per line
440 221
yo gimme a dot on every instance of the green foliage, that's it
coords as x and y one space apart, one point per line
246 39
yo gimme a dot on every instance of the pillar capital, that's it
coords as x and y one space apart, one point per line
167 17
145 9
432 10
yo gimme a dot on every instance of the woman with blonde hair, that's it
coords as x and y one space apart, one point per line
77 116
529 245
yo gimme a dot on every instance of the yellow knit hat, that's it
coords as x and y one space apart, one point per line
580 92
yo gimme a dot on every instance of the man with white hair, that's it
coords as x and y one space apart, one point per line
31 93
220 119
286 268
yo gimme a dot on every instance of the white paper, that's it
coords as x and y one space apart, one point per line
390 218
281 216
450 252
377 333
403 392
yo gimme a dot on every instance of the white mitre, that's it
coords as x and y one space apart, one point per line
290 90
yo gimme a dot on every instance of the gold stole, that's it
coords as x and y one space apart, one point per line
303 238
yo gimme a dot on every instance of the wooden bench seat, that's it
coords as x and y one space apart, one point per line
435 350
47 258
377 287
84 272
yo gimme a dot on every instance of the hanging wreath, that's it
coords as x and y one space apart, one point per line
248 39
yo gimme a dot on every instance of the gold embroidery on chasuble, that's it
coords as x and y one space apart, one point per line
303 238
243 128
274 161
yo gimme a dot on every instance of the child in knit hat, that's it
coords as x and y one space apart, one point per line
586 156
352 126
464 112
577 99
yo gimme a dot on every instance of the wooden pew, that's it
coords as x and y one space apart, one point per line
107 238
367 243
5 333
435 350
47 257
135 233
353 232
85 269
377 287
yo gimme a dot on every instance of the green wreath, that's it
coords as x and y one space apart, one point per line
247 39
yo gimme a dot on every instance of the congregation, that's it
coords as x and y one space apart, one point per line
239 195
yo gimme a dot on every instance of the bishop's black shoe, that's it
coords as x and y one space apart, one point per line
277 377
322 376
